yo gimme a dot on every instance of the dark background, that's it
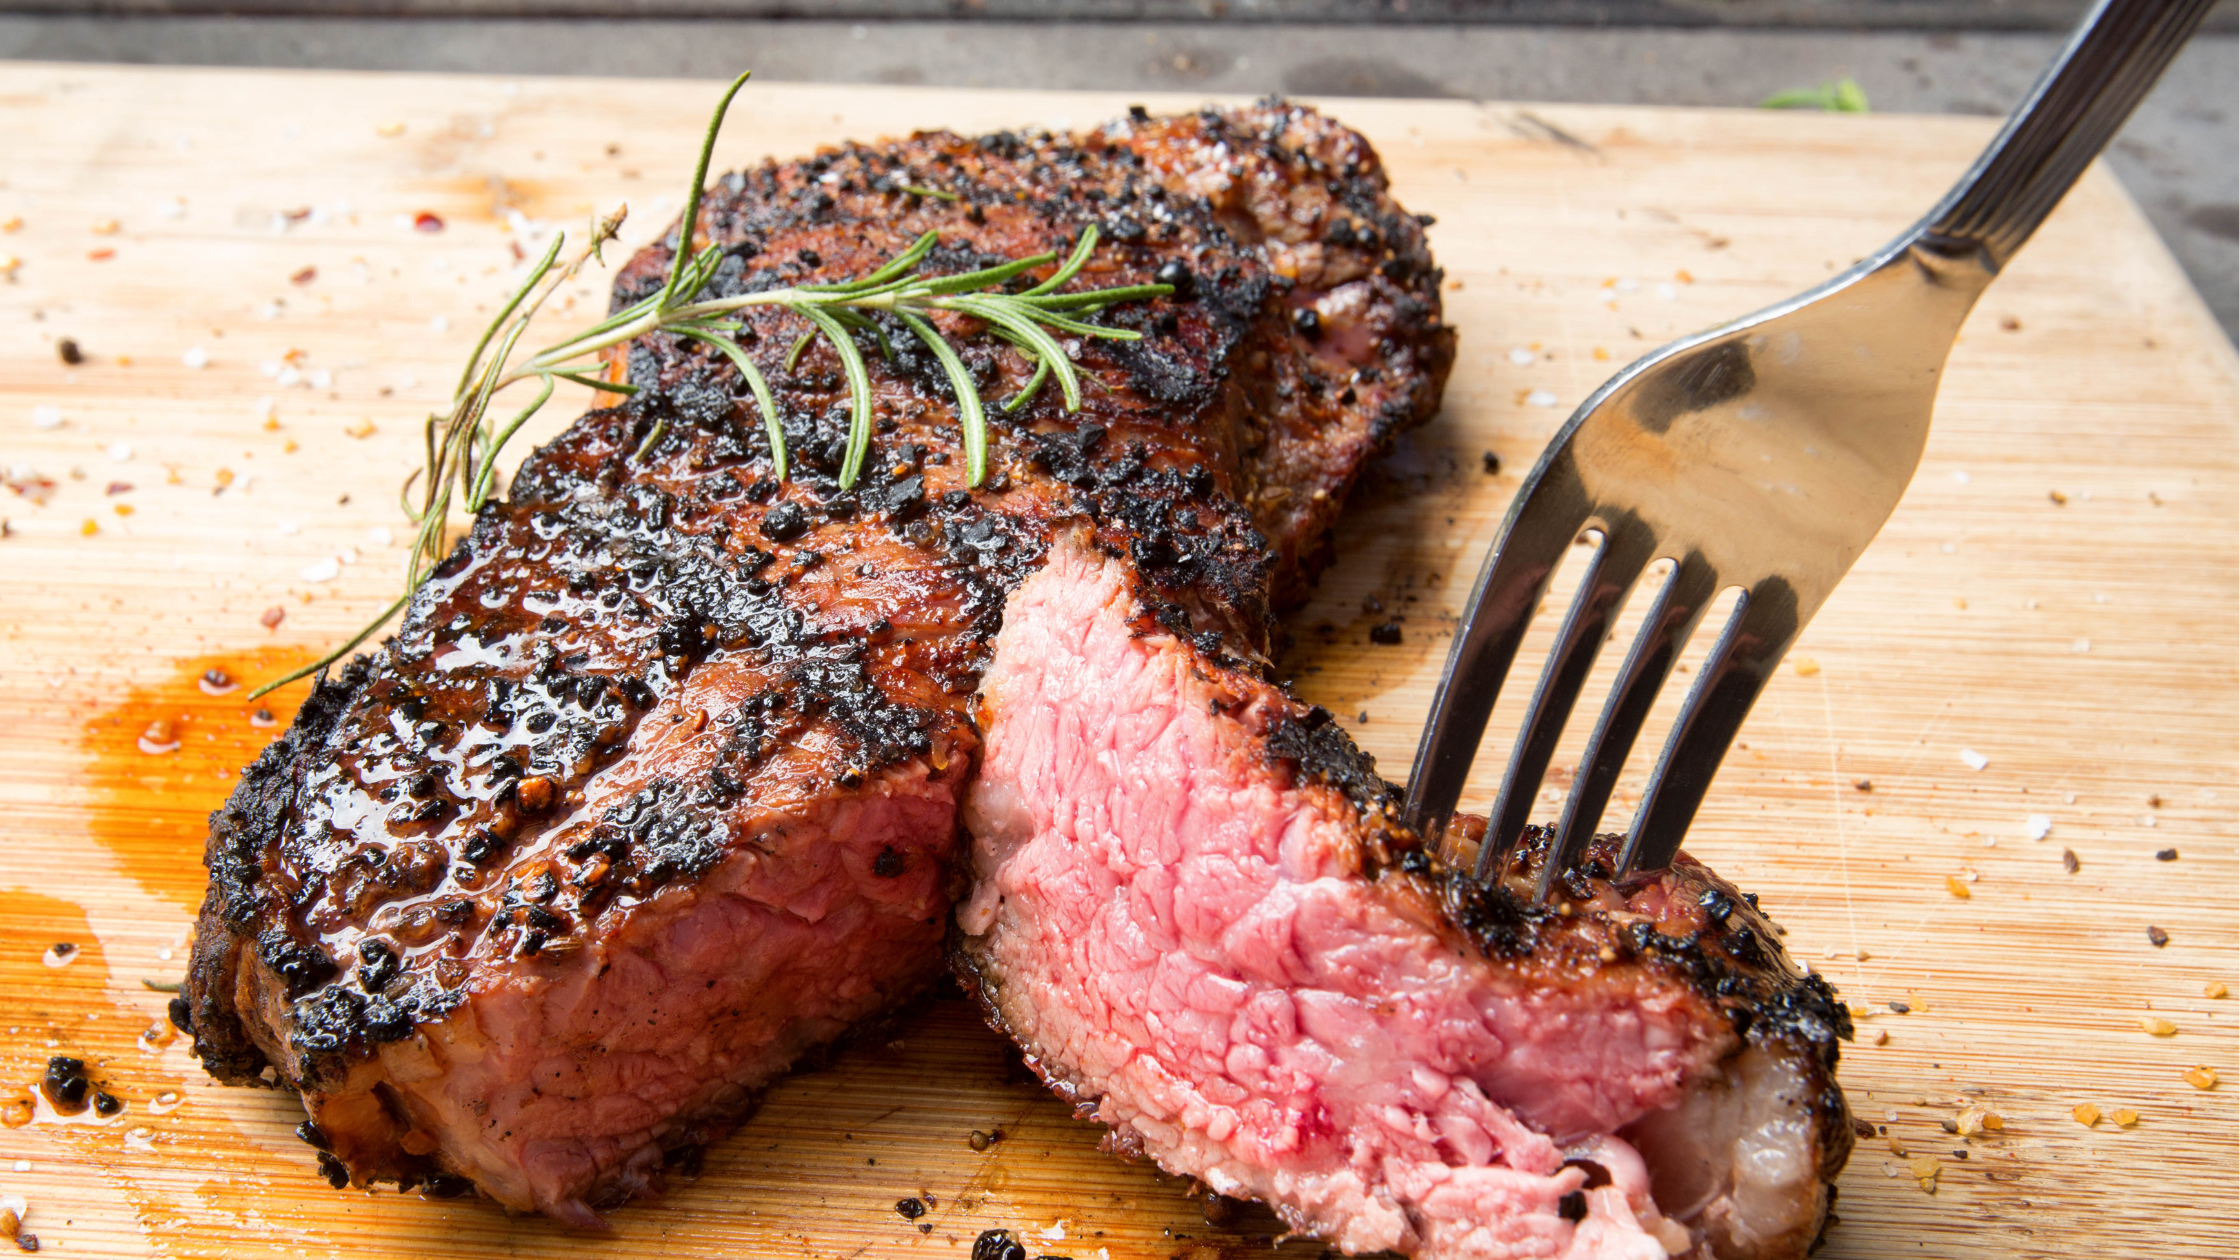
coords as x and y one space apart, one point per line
2180 156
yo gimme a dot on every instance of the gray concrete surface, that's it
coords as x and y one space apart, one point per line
2180 155
1903 15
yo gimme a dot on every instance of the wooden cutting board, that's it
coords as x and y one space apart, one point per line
2045 630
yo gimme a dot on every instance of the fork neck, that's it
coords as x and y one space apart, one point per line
2070 114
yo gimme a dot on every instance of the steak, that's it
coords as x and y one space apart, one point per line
657 787
1195 911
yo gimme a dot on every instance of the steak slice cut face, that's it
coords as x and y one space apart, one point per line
1194 911
657 787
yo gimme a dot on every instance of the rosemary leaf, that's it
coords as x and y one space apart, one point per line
686 226
760 387
520 295
623 388
480 494
793 356
1033 386
340 652
986 277
859 387
970 416
1046 347
1064 275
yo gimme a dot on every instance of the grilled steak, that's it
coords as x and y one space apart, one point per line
1195 912
657 787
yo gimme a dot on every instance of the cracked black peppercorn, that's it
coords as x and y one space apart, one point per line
785 522
997 1244
910 1209
65 1083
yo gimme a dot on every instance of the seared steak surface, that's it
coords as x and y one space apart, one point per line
657 787
1194 910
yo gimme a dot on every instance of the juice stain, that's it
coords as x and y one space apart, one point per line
167 754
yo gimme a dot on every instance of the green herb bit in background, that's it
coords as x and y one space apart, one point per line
1843 96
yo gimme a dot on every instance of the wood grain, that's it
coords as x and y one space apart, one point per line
2056 594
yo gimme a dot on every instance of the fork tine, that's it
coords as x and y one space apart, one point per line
1627 547
1542 522
1756 637
1671 621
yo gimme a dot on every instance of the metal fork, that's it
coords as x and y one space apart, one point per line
1763 454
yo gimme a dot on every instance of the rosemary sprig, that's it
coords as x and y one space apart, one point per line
463 444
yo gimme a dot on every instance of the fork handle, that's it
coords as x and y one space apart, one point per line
2071 113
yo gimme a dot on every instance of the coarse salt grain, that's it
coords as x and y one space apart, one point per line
1628 285
326 570
2037 827
380 536
196 357
439 324
120 452
1540 398
46 417
1522 357
2081 646
288 529
1972 759
1960 475
1669 291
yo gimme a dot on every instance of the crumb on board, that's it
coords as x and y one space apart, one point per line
1954 885
2159 1026
2085 1114
2125 1117
2202 1076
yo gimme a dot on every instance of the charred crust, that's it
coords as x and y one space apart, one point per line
1313 744
1729 955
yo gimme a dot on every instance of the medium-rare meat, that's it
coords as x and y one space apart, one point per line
657 787
1195 911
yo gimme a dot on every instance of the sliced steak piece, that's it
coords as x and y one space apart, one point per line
1194 910
657 786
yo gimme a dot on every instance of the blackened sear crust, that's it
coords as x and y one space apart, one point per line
245 829
1260 213
1698 926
